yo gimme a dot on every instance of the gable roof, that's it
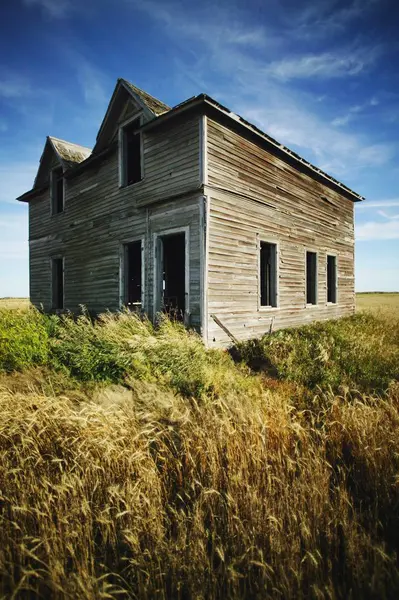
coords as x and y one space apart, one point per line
69 154
156 112
151 107
66 154
155 105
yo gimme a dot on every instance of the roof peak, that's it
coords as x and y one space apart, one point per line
156 106
56 139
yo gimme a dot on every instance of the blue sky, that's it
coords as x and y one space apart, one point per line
322 77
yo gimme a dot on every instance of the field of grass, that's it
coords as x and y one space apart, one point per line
379 303
16 303
134 463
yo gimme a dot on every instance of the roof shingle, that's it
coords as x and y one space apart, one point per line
155 105
70 154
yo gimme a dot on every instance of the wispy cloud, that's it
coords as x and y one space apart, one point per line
56 9
259 88
13 86
353 111
375 230
329 17
379 204
327 65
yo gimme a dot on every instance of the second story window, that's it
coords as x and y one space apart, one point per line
131 159
57 191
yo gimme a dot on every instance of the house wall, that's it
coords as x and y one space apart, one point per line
254 195
100 216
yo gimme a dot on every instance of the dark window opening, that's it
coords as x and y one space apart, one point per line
133 273
173 275
57 193
331 279
132 152
268 274
58 283
311 278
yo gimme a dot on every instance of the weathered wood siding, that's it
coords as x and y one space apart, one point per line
100 216
254 195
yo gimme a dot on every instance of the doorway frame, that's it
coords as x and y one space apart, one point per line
122 270
157 237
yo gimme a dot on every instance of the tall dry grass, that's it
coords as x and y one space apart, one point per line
195 479
141 493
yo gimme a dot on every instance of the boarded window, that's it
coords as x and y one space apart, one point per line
57 191
311 278
268 274
132 153
331 279
58 282
133 273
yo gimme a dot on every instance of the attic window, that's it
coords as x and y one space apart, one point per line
57 191
131 160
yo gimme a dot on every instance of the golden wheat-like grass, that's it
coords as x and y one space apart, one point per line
139 493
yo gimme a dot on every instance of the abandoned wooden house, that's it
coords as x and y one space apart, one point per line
191 210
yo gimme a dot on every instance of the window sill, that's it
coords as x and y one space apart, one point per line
331 303
128 185
310 305
268 308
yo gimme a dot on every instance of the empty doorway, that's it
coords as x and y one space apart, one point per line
172 281
133 271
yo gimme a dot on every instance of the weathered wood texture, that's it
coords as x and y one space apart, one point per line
100 216
253 195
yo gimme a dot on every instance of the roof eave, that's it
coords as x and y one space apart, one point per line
31 194
304 164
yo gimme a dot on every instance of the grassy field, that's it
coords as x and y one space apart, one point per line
374 301
379 303
16 303
134 463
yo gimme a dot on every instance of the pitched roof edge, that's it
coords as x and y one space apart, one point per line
293 156
125 84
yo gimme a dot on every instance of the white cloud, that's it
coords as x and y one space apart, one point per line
288 114
374 230
353 111
14 86
56 9
341 121
384 214
93 84
327 65
329 17
379 204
